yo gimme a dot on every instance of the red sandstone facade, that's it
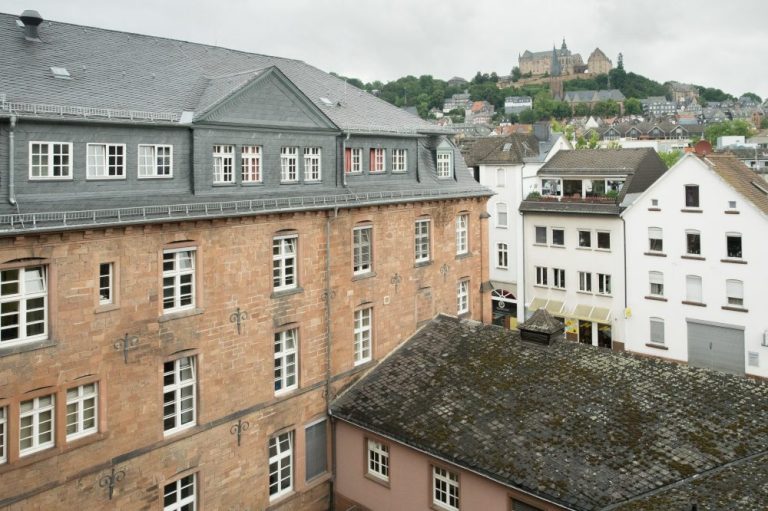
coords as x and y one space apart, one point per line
234 372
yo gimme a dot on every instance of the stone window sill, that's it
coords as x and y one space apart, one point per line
377 480
180 314
106 308
697 304
557 246
420 264
654 209
655 254
693 257
657 298
463 255
287 292
734 309
691 210
26 346
733 261
731 212
656 346
363 276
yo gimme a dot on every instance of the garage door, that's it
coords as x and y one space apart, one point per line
716 347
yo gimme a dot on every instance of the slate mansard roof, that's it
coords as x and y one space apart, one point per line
585 428
125 71
640 167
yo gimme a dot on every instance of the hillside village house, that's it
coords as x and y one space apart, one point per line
508 166
572 238
696 248
195 256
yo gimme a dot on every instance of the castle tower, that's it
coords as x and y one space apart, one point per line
555 75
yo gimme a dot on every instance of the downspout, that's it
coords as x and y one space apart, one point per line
624 235
418 179
344 160
521 244
328 293
11 163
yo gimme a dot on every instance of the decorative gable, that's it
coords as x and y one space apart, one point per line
267 99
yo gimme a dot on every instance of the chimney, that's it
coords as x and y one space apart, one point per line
541 131
31 20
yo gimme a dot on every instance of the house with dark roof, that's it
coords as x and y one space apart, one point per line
508 165
195 255
465 416
572 239
695 245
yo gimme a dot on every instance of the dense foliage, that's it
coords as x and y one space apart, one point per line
727 128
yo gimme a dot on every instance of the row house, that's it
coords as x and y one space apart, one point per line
572 239
694 251
508 166
198 248
631 131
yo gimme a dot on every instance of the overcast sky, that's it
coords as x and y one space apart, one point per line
715 44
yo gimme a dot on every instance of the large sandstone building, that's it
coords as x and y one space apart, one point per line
540 63
198 248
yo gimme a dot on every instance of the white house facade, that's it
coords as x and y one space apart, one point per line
696 251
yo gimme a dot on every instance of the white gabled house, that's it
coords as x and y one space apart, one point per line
696 250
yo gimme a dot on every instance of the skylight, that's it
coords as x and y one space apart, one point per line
326 101
507 147
61 72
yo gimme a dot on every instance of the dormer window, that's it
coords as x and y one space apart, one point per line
444 164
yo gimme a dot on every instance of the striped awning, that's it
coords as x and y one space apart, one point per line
590 313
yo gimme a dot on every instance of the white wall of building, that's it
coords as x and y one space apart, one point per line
714 219
574 259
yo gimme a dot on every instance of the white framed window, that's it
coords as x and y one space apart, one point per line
657 330
3 434
734 291
180 495
223 164
462 297
362 245
692 242
585 282
421 240
50 160
23 305
462 223
316 450
604 240
363 334
82 411
355 160
541 275
378 159
558 237
284 252
250 162
585 238
105 161
444 164
603 284
36 424
558 278
179 394
693 289
289 164
178 279
399 160
378 460
155 161
286 360
445 489
501 214
502 259
733 245
655 239
312 164
541 234
656 280
280 465
106 283
501 178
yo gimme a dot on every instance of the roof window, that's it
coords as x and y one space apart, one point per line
61 72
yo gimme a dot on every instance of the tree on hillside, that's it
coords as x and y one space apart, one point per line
712 94
632 106
528 117
516 74
727 128
608 108
764 123
620 62
582 110
752 96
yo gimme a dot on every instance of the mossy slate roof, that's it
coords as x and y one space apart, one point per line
583 427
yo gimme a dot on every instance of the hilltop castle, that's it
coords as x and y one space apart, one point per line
539 63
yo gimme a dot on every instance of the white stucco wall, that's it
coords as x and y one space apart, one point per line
713 223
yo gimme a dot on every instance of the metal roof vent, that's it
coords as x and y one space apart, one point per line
31 20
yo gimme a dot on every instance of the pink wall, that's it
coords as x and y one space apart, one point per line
410 479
